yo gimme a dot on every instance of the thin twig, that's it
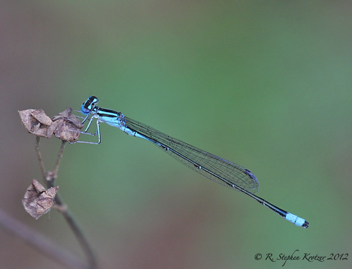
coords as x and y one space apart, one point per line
59 156
49 178
81 239
41 164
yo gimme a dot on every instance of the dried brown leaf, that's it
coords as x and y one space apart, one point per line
37 122
38 201
67 126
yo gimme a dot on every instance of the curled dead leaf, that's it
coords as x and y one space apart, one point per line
37 122
38 201
66 126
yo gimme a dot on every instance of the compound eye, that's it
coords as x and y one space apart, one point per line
84 110
93 99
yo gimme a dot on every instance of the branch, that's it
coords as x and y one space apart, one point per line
50 177
66 127
40 242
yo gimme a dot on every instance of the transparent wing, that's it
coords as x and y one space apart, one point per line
209 165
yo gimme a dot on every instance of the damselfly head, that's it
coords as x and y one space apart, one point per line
89 105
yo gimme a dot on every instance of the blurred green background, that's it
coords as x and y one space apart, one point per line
265 84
